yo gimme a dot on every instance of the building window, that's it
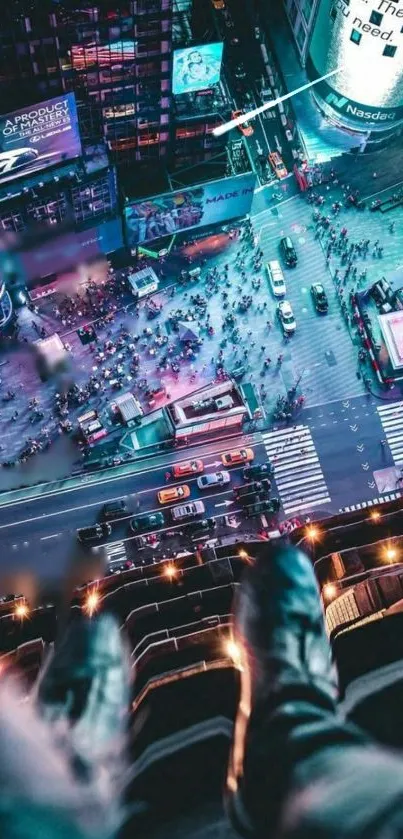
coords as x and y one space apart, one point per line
376 18
389 51
333 13
355 36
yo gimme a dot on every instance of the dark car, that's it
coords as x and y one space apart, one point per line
94 533
147 521
114 509
271 505
288 252
320 300
201 527
147 541
258 470
254 488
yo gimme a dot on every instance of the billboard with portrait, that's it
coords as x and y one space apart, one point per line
199 206
38 136
196 68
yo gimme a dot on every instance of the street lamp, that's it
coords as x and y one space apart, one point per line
21 611
329 591
312 533
233 123
390 553
170 571
92 602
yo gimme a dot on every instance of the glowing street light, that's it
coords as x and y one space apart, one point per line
330 591
21 611
233 123
390 553
92 602
312 533
233 651
375 515
245 556
170 571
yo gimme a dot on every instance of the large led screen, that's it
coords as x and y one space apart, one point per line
196 68
67 251
199 206
365 41
102 55
38 136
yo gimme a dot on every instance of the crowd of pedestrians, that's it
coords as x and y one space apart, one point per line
348 260
123 353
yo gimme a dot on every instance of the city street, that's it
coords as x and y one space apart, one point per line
321 357
324 464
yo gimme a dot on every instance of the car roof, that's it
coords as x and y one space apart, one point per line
318 286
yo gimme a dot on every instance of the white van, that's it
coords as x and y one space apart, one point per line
188 511
276 278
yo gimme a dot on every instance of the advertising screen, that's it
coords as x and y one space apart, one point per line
67 251
199 206
38 136
366 45
102 55
196 68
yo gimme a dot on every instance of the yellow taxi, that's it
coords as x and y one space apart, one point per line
165 496
237 457
277 165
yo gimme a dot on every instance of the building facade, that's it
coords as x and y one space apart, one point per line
301 15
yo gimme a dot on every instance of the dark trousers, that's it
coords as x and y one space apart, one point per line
306 774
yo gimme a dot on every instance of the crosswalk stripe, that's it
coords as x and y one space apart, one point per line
115 552
297 471
391 417
300 507
385 409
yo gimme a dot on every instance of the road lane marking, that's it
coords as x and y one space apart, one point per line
28 498
52 536
103 501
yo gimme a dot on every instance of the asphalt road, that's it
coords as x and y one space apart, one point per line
40 536
327 462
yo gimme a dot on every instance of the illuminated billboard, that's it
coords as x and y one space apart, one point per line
183 209
196 68
39 136
70 249
366 44
102 55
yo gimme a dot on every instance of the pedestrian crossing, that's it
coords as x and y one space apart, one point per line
391 417
392 496
297 471
115 554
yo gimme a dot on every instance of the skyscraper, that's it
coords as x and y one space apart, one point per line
115 57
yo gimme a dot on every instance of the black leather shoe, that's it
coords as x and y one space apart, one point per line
84 694
286 674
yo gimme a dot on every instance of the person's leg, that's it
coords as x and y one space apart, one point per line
61 757
296 769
